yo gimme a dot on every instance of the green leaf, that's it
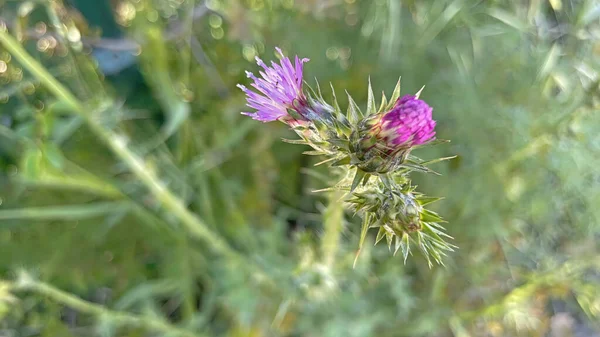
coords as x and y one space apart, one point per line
423 247
145 291
65 128
412 166
364 229
433 161
387 181
384 103
341 143
380 234
313 153
70 212
363 235
418 94
27 130
389 237
343 161
31 163
332 188
550 62
342 125
395 95
405 246
295 141
354 114
430 216
319 90
431 143
312 91
370 100
366 179
458 329
441 22
177 113
428 200
435 235
397 241
588 14
53 155
508 18
155 62
436 254
336 105
326 161
358 176
59 107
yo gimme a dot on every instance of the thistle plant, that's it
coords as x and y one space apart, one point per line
371 151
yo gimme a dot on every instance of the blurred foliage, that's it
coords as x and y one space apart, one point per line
514 84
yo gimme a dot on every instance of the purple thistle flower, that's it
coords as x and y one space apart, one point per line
409 123
279 89
383 141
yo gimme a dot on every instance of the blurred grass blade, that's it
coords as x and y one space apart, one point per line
71 212
441 22
156 65
508 18
333 219
549 62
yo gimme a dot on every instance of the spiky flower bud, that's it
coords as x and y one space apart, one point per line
409 123
401 219
400 211
383 141
408 214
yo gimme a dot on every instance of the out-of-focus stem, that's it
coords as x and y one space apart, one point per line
117 317
333 221
51 83
119 147
167 199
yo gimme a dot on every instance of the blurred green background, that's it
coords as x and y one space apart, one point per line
90 244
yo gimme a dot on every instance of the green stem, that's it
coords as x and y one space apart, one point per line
333 220
118 145
69 212
73 183
39 71
166 198
117 317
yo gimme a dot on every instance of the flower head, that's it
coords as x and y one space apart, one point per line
383 141
279 89
409 123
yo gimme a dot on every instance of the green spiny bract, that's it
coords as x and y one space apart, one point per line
399 214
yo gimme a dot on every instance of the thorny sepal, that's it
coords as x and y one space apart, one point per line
399 214
366 224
